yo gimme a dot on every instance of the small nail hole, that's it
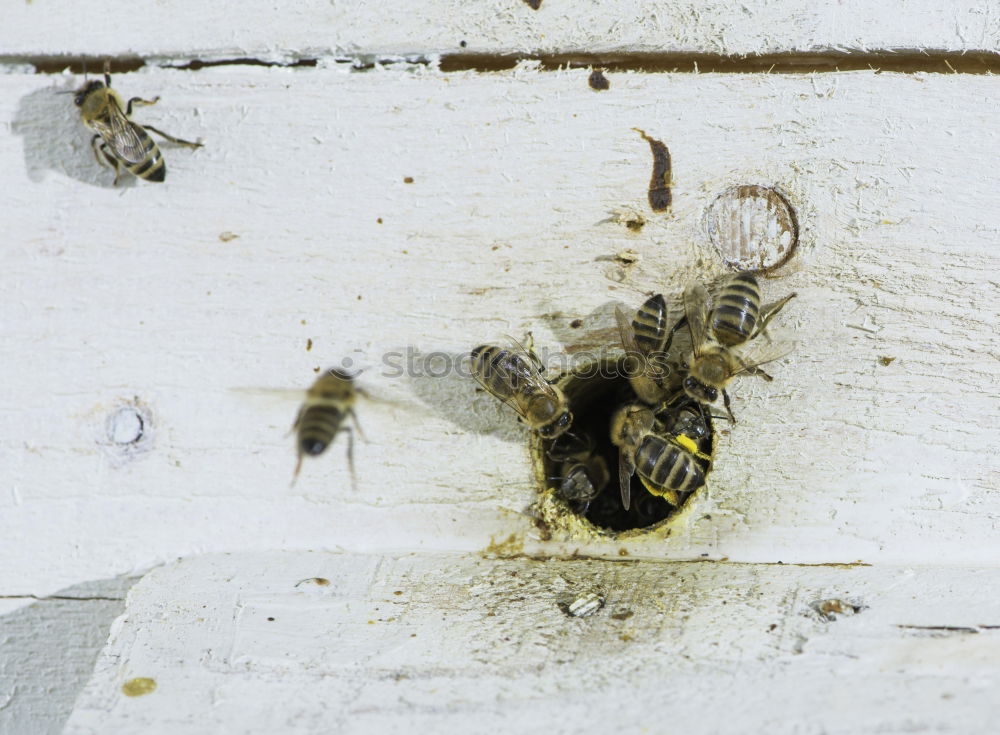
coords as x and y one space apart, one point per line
125 426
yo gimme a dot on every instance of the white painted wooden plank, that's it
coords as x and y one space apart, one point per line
256 643
318 28
116 295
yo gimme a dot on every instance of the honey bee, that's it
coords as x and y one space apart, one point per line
644 339
583 480
716 333
328 403
667 464
583 474
123 143
515 377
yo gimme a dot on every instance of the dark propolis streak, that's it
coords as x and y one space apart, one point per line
659 184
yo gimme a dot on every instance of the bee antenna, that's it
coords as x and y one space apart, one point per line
584 441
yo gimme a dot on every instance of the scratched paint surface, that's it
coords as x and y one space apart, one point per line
456 644
317 28
513 223
877 441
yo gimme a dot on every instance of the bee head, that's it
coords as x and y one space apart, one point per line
85 91
699 391
554 428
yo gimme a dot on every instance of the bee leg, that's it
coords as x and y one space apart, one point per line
757 371
298 420
112 161
729 410
529 347
350 459
670 337
139 101
298 466
172 139
97 153
769 311
357 425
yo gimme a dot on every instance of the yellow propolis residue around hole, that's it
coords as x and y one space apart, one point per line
511 546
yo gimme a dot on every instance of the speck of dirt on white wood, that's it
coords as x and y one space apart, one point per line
139 687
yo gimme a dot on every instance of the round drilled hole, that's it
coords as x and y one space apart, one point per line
752 227
595 392
127 432
125 426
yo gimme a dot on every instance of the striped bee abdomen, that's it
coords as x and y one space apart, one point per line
151 167
488 365
735 313
650 324
664 467
317 428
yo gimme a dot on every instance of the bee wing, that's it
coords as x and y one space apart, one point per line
513 373
127 140
530 371
528 355
760 353
368 397
626 331
696 309
625 470
302 394
296 393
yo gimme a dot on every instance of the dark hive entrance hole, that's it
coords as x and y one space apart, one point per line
595 391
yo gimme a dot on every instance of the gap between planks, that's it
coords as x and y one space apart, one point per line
906 61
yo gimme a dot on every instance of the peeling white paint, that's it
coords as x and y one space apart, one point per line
456 644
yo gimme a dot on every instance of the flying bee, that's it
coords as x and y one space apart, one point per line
666 464
514 376
582 475
323 411
123 143
718 332
328 403
644 339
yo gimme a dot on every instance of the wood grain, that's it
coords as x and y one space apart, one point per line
522 186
